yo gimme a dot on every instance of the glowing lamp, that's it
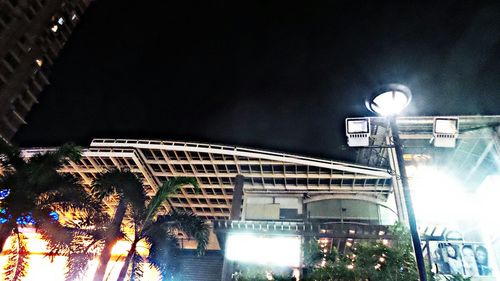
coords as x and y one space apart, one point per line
389 100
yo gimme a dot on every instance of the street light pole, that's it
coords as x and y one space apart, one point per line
417 247
389 100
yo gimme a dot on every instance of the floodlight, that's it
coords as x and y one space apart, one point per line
445 131
265 250
390 99
357 131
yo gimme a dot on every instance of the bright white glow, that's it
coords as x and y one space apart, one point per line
445 126
357 126
487 199
54 28
488 210
60 21
438 197
41 268
390 103
268 250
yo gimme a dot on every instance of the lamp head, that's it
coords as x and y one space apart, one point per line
388 100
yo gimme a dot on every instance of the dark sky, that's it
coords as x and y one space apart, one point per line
276 75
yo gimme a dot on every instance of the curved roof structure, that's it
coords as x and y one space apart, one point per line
216 166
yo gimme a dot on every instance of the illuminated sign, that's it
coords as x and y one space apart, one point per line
268 250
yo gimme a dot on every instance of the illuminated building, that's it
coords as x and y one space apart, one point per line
273 187
32 33
265 195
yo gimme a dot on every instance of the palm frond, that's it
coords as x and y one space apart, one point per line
78 264
80 240
10 157
189 223
83 249
41 169
173 184
17 260
163 252
124 183
53 232
167 189
68 151
137 267
66 196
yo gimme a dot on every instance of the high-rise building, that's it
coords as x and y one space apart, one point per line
32 33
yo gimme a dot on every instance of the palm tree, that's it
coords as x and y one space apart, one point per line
31 191
128 193
159 231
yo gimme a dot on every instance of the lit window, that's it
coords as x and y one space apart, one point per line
60 21
39 62
54 28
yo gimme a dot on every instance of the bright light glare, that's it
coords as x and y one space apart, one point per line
488 210
446 126
437 196
356 126
487 197
268 250
40 266
390 103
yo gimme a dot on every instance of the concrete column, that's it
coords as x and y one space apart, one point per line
237 197
228 266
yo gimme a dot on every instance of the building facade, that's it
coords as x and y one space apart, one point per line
32 33
243 190
257 200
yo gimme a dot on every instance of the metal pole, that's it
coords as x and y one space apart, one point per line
417 247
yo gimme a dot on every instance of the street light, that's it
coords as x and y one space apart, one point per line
389 101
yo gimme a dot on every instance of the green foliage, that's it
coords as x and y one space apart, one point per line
370 260
260 273
85 242
312 253
122 184
331 266
160 231
127 190
36 189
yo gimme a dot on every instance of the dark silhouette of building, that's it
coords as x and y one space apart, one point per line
32 33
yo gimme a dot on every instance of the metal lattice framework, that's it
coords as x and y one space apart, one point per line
477 152
216 166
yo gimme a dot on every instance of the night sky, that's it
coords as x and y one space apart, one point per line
274 75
